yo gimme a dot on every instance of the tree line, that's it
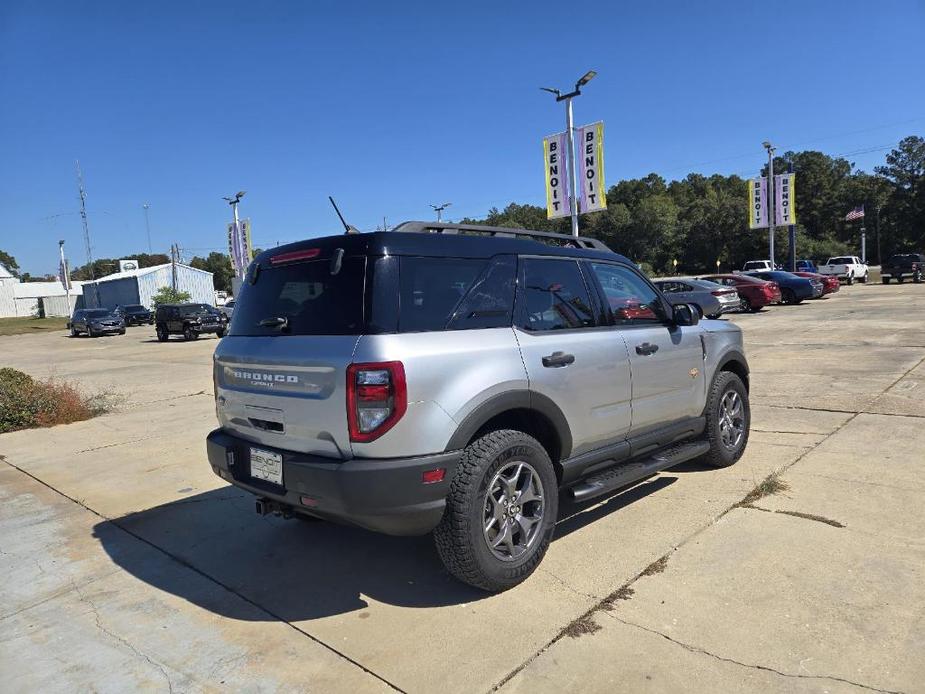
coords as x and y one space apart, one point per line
701 220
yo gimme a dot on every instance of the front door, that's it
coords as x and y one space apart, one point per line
666 360
572 357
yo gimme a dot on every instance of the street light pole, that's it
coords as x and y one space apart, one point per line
569 130
148 227
235 238
439 209
768 146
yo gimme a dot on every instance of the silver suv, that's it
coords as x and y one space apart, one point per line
457 379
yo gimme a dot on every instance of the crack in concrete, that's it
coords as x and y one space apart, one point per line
567 585
118 443
99 625
752 666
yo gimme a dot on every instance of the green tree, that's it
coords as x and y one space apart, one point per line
219 265
169 295
905 210
9 262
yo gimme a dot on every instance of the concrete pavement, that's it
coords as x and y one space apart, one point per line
129 565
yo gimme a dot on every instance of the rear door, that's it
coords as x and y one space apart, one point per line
281 371
571 355
666 360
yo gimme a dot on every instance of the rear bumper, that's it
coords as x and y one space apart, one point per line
384 495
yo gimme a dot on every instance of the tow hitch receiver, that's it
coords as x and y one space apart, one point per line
267 506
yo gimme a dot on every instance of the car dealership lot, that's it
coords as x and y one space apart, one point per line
128 564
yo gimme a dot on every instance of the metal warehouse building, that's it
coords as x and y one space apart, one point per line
139 286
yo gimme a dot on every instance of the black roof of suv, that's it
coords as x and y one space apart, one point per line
444 240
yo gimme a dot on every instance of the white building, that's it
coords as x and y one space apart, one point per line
35 298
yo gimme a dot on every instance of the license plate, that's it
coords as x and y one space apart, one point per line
267 466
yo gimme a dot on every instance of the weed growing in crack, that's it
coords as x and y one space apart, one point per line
581 626
610 602
656 567
772 484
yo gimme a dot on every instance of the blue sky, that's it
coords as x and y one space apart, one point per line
392 106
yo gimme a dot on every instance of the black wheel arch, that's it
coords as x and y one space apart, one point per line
735 362
533 413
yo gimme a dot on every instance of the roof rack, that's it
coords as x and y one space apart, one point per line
504 232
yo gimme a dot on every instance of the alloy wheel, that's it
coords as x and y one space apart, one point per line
731 420
512 516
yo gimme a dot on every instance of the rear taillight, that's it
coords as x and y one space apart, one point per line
376 399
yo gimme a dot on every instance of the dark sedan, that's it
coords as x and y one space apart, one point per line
96 322
793 289
710 298
135 314
830 283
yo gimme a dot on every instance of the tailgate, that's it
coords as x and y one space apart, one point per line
286 392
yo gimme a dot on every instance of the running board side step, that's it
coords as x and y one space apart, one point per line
627 473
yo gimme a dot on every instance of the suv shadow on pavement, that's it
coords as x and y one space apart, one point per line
297 570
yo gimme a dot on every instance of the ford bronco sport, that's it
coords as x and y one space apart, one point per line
457 379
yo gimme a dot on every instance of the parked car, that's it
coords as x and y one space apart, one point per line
793 289
830 283
754 293
228 308
95 322
415 381
846 267
806 266
188 320
753 265
135 314
711 300
899 267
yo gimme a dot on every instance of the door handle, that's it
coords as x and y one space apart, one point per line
557 359
646 348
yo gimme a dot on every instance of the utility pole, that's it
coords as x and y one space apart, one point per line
863 244
148 226
86 225
879 259
569 132
438 209
768 146
173 266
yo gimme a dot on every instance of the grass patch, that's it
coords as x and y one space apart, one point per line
813 517
27 403
581 626
772 484
610 602
28 324
656 567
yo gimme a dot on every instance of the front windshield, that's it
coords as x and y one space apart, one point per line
193 309
96 313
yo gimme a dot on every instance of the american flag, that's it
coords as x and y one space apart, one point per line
856 213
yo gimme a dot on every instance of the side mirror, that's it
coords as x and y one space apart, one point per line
685 314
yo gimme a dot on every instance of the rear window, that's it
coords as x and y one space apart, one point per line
841 261
311 299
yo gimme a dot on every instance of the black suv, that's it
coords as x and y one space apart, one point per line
135 314
188 320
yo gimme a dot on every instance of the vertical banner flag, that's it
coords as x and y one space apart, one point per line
785 211
591 167
555 154
246 245
757 203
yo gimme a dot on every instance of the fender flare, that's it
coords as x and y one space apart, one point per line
737 357
513 400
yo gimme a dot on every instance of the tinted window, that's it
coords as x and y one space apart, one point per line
841 261
95 313
554 296
454 293
307 295
630 299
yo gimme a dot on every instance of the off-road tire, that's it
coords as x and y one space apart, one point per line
74 332
188 334
162 334
917 279
885 280
220 334
459 537
719 455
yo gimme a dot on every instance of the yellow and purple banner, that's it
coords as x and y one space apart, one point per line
591 168
555 155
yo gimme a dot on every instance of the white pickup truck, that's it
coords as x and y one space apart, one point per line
846 267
